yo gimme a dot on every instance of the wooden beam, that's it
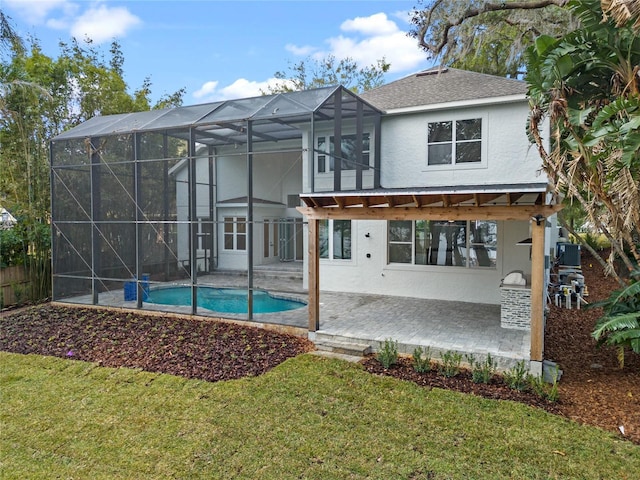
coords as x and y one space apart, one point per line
310 202
493 212
537 287
314 276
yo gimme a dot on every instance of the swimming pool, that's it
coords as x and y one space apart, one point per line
224 300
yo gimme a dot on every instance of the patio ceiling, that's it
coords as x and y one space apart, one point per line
473 202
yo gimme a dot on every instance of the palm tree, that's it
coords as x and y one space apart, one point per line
587 84
622 11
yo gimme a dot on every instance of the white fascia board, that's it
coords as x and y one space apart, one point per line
461 103
178 166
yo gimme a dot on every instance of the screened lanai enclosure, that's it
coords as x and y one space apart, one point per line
199 197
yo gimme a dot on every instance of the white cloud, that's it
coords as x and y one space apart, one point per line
98 22
102 23
37 11
206 90
300 51
399 50
403 15
241 88
377 24
367 39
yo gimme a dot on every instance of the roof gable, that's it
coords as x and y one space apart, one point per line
439 86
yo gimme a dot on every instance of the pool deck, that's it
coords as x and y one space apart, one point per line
367 319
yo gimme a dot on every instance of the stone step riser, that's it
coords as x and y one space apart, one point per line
353 349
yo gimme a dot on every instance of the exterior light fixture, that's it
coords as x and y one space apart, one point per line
538 219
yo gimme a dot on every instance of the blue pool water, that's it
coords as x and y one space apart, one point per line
224 300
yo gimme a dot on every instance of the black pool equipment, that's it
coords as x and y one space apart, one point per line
568 254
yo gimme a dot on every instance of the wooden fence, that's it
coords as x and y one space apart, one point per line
14 285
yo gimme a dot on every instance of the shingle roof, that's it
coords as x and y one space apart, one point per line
447 85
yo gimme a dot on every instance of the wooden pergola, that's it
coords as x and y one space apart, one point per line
530 202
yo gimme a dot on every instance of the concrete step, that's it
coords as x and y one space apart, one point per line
338 356
344 348
266 272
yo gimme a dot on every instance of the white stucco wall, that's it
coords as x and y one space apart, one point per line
323 182
275 176
507 154
236 259
375 275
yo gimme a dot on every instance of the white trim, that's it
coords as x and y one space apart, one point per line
484 143
468 247
279 206
458 104
330 259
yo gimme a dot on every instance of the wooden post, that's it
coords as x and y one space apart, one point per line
314 276
537 287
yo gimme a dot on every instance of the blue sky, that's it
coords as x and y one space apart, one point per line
219 49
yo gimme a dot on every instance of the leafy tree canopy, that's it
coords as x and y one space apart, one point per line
40 97
487 37
311 73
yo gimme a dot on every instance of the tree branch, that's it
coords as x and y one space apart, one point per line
436 49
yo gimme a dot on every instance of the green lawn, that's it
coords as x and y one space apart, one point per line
309 418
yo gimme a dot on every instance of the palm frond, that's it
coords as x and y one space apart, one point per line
622 11
615 323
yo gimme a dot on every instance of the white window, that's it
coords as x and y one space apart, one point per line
454 142
325 158
455 244
335 239
235 233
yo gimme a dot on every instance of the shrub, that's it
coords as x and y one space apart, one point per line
620 325
597 241
450 366
421 360
482 372
388 354
14 247
548 391
516 377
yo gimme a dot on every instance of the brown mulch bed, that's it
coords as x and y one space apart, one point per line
496 389
593 389
190 348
